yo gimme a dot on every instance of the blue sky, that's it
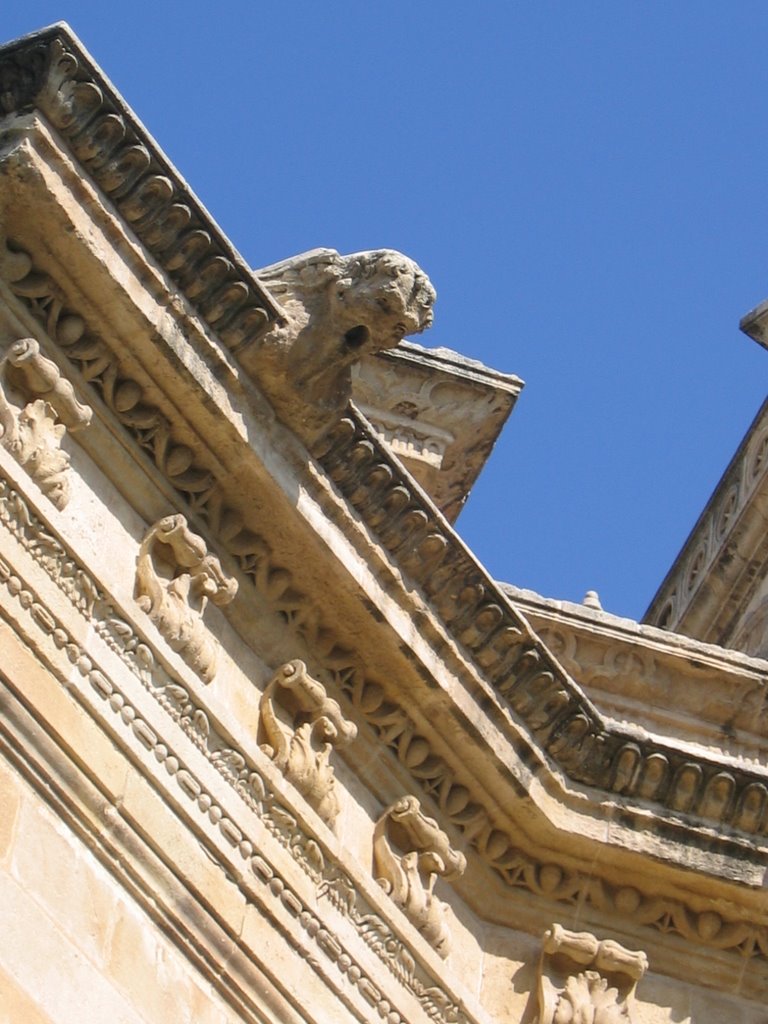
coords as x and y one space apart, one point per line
585 183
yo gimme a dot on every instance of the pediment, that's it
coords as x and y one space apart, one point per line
268 547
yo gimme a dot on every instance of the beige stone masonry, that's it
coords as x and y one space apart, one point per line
427 654
273 745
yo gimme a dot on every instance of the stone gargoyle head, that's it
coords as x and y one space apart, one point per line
335 310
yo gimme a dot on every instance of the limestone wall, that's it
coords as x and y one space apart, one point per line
75 945
275 746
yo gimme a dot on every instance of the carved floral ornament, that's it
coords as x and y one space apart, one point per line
585 981
745 940
37 405
298 727
175 579
409 853
484 625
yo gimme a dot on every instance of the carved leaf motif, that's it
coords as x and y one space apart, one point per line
409 852
588 999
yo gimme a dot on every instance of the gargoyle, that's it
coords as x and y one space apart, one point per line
37 406
587 981
336 309
298 726
409 876
175 579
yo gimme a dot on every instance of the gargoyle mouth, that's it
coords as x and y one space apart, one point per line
356 337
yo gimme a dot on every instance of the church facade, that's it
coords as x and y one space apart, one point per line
274 746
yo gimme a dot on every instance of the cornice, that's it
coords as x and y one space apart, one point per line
697 693
120 650
569 736
725 556
51 72
564 723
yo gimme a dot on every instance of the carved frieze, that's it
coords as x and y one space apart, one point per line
585 981
562 719
235 767
37 406
730 932
489 629
175 579
410 852
299 725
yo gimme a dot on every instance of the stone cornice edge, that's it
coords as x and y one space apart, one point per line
52 72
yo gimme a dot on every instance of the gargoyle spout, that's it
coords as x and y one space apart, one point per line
336 310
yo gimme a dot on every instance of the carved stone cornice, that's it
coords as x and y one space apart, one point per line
93 681
460 803
59 79
693 693
691 920
50 71
565 724
181 457
724 560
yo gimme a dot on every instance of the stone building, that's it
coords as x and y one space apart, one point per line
274 747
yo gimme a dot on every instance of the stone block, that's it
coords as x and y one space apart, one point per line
64 878
10 801
17 1006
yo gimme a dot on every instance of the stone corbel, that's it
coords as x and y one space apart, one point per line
336 309
583 979
298 726
37 407
175 579
409 853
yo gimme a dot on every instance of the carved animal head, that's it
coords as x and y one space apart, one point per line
336 309
386 295
374 298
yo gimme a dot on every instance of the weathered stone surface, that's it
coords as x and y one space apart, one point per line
244 583
336 309
439 412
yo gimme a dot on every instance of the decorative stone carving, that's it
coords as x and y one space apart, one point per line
58 77
473 606
585 981
337 309
175 579
37 405
299 724
409 876
743 939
